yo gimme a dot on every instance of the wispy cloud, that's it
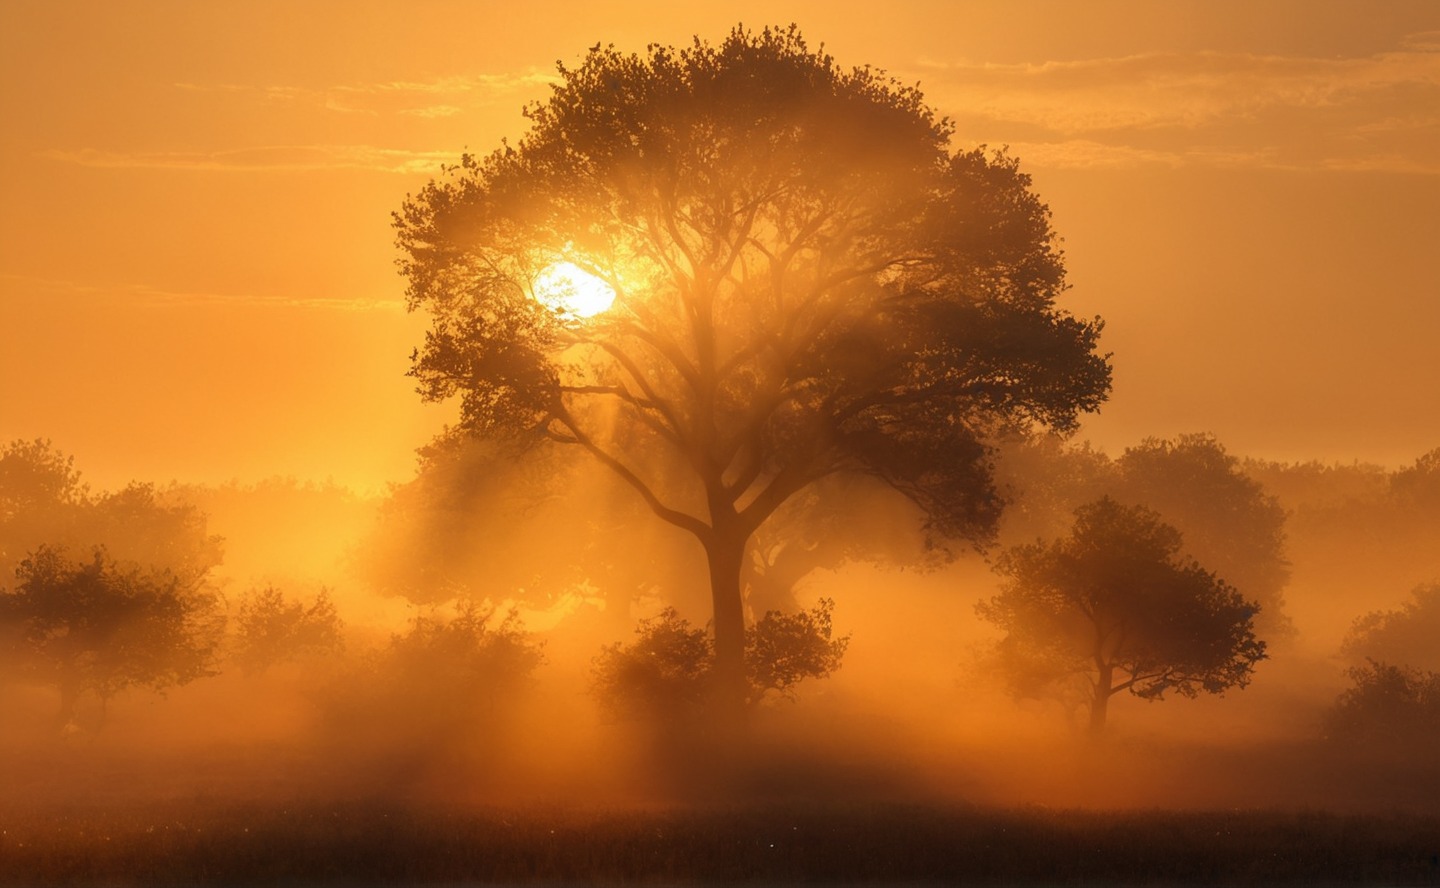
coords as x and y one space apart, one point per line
1171 89
1379 112
434 111
265 158
15 286
442 96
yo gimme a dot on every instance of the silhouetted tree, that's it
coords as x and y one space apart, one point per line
44 503
1044 478
100 627
1388 709
1357 526
663 674
668 672
1228 520
40 492
271 628
809 282
1229 523
1114 603
1409 636
436 700
785 649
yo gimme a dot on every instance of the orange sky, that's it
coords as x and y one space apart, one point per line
196 275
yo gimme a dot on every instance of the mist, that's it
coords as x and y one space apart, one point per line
745 479
917 710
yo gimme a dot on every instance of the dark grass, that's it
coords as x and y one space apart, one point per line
790 844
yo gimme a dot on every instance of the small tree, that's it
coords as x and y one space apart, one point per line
44 503
471 659
783 650
1114 603
99 627
664 674
1410 635
1230 523
271 629
668 672
1388 708
436 704
444 678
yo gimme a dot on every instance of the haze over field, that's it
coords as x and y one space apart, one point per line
744 426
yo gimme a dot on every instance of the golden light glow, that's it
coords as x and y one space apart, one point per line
570 289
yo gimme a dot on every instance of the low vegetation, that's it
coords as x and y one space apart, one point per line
789 844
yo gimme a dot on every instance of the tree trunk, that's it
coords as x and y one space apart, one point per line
1100 702
69 700
732 688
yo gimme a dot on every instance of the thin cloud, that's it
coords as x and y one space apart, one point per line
276 158
21 286
1175 89
1371 113
395 96
1087 154
433 111
1423 41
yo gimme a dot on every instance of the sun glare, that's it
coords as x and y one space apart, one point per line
569 289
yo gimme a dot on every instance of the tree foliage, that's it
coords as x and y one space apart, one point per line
100 627
1358 526
44 503
437 701
1388 709
668 672
1418 485
470 658
447 672
1115 603
809 282
1409 635
1229 522
271 629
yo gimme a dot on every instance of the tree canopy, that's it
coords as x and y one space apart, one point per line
271 628
667 674
1409 635
1113 602
808 282
98 626
1388 710
43 502
1228 520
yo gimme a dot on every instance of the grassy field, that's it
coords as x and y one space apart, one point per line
790 844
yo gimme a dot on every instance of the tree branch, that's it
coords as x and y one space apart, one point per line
682 520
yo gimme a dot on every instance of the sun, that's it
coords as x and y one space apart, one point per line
571 290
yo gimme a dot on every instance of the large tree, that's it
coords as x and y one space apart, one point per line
1115 603
808 281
